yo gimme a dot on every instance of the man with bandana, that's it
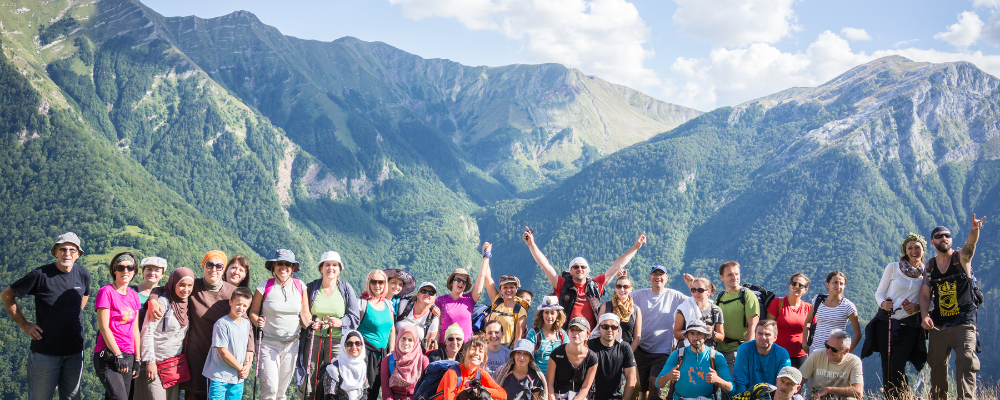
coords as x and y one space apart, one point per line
952 322
61 289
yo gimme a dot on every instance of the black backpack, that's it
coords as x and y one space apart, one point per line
764 298
820 299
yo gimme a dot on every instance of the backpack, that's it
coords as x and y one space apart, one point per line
812 315
764 298
538 338
568 295
427 385
482 313
977 294
408 308
363 307
270 284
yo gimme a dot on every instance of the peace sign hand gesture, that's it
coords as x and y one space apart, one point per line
977 223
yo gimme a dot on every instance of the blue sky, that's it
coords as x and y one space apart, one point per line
697 53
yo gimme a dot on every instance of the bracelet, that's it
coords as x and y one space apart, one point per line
487 254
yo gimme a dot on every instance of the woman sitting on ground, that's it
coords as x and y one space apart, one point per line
452 345
520 377
346 378
402 368
471 366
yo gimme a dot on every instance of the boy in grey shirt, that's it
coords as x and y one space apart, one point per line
229 364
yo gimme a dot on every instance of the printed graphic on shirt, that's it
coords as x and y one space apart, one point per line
948 298
127 315
696 372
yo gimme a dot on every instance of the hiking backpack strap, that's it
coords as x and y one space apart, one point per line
362 308
267 289
781 304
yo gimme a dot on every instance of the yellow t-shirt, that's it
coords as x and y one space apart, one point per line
506 317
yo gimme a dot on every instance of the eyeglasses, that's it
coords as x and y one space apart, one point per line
609 327
211 266
352 343
798 285
463 280
454 339
70 250
375 282
579 267
831 348
120 268
623 286
699 290
283 264
428 292
942 235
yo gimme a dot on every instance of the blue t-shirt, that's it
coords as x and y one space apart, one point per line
752 368
545 349
693 371
233 336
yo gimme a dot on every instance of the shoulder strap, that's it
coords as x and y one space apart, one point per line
267 289
298 285
743 296
517 308
781 304
392 364
362 308
406 309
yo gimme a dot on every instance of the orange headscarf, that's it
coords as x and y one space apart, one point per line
213 254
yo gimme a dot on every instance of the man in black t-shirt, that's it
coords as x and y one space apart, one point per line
952 322
61 290
614 359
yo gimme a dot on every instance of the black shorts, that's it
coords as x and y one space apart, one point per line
648 365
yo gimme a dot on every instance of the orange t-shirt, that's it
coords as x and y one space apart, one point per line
451 390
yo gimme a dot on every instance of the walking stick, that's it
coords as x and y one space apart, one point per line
256 372
312 336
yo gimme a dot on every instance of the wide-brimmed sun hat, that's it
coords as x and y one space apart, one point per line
456 272
408 282
281 255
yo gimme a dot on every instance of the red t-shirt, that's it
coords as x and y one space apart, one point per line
791 321
582 307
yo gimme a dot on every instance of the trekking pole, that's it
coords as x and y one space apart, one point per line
312 337
256 372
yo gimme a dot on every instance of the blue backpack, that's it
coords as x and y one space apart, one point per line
428 383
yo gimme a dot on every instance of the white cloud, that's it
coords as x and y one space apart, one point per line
963 33
855 34
735 22
730 77
986 3
601 37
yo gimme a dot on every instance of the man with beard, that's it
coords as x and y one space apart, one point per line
614 359
658 305
61 290
698 370
952 323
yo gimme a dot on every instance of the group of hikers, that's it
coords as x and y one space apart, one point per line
408 341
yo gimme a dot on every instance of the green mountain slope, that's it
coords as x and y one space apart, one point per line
831 178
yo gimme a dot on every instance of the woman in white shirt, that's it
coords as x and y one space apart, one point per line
277 309
898 295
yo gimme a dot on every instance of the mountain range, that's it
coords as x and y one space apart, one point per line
177 135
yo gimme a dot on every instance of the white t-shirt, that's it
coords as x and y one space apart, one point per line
828 319
281 310
658 311
417 322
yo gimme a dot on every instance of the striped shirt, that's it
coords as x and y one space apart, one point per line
828 319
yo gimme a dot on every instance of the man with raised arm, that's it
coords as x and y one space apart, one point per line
61 290
583 297
952 323
658 306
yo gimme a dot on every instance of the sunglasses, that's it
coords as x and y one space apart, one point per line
428 292
942 235
463 280
211 266
352 343
831 348
120 268
699 290
69 250
798 285
579 267
454 339
376 282
623 286
609 327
